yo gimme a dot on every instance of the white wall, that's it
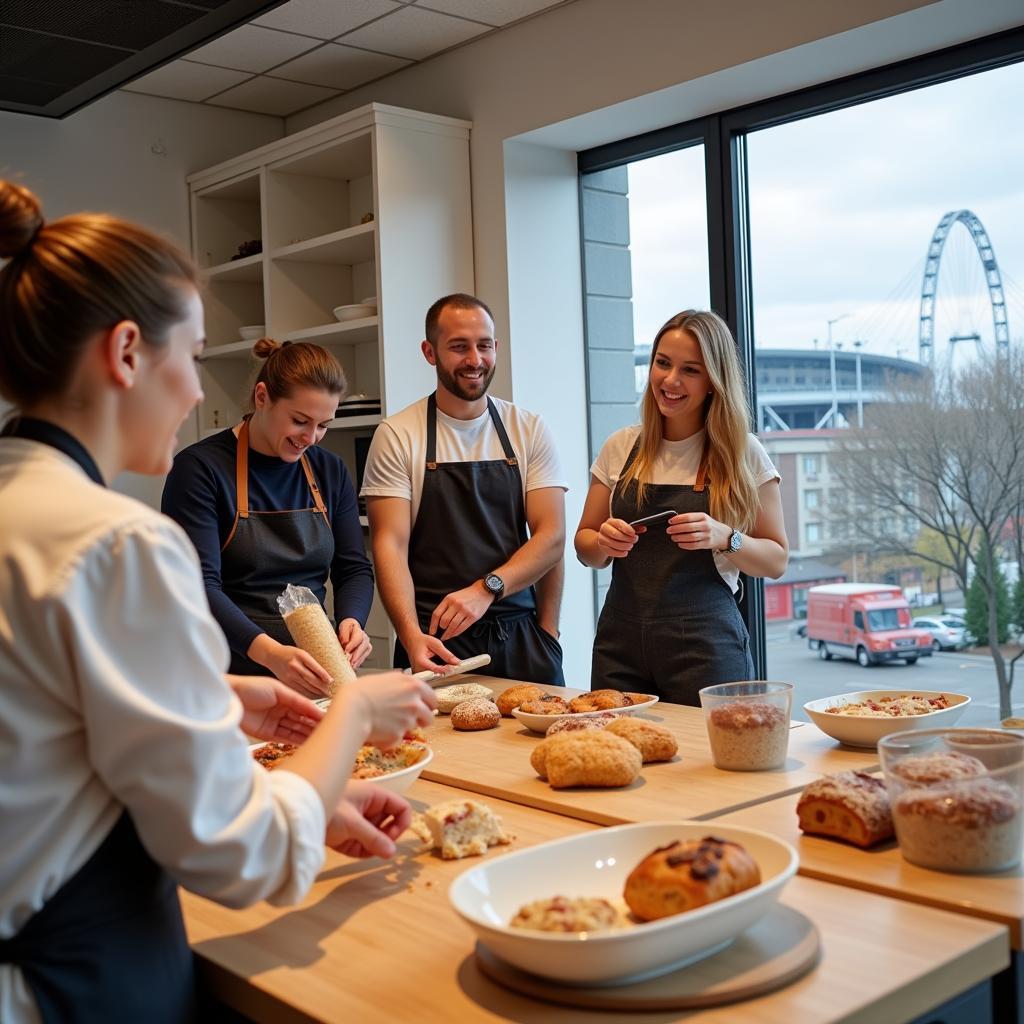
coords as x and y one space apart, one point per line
102 159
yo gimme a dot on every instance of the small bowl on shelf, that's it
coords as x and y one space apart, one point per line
353 312
253 332
369 301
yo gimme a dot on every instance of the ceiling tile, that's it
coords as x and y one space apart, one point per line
251 48
411 32
273 96
325 19
183 80
339 67
491 12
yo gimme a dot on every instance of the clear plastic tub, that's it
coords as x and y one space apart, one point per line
748 724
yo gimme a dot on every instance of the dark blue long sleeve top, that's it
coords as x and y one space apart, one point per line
200 494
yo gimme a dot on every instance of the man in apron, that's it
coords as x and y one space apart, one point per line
467 513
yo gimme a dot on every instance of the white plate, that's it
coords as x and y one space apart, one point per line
355 312
597 864
865 730
252 333
370 300
541 723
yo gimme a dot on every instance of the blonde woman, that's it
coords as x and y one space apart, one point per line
710 493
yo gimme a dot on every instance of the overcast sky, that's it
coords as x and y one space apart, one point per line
843 207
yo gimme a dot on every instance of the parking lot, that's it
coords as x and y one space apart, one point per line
790 660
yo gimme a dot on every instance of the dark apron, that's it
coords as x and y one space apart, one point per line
670 624
265 551
471 520
110 944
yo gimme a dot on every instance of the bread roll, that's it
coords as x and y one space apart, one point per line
851 806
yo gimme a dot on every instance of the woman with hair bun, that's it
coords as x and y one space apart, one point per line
265 506
670 624
124 769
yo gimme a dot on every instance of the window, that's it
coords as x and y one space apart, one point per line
810 465
812 499
886 618
858 620
813 531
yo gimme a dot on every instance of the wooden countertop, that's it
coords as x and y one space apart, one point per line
882 869
378 941
496 762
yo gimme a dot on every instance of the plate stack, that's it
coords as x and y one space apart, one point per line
358 405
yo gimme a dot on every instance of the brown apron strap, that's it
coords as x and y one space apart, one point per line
241 480
315 490
702 469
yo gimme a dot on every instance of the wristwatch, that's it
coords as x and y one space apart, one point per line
494 584
735 543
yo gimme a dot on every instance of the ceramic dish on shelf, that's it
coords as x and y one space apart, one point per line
252 333
370 301
867 730
541 723
353 312
597 864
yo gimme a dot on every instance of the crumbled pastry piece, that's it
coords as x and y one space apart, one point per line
688 874
654 741
272 755
590 758
450 697
578 724
516 695
460 828
476 714
561 914
852 806
549 704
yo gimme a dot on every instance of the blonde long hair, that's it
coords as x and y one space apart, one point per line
733 490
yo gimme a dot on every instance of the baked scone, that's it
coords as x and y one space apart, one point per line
476 714
273 755
572 724
460 828
940 766
599 700
561 914
516 695
654 741
593 757
450 697
549 704
852 806
688 874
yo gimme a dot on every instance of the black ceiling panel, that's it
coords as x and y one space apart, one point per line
59 55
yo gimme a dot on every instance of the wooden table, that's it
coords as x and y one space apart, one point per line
378 941
496 762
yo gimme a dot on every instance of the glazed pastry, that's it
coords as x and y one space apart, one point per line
546 705
688 874
852 806
590 758
474 715
450 697
516 695
654 741
599 700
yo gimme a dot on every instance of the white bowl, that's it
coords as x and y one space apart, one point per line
400 781
370 300
596 864
252 333
354 312
866 731
541 723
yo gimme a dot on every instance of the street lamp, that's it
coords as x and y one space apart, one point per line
832 366
860 390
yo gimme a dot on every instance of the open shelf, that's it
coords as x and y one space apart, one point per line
355 422
249 268
345 247
233 350
351 332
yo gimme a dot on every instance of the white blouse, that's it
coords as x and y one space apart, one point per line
112 696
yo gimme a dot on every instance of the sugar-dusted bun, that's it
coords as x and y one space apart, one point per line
590 758
516 695
688 874
474 715
852 806
654 741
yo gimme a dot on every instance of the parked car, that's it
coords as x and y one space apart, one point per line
948 633
869 622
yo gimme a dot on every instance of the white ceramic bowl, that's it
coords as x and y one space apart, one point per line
400 781
253 332
866 731
370 300
541 723
354 312
596 864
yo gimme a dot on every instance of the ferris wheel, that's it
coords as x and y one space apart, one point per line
964 325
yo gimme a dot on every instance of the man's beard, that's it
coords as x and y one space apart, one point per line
451 383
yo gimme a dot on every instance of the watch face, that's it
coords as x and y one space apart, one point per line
494 583
735 541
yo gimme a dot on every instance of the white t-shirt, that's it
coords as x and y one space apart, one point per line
397 458
677 463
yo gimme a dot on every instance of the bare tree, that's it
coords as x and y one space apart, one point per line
945 452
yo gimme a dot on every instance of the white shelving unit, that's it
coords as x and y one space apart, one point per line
375 202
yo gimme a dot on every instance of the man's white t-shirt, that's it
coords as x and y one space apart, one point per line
397 458
677 463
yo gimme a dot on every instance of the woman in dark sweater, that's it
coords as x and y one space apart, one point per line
265 506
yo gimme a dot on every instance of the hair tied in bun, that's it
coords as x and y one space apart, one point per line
266 347
21 220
